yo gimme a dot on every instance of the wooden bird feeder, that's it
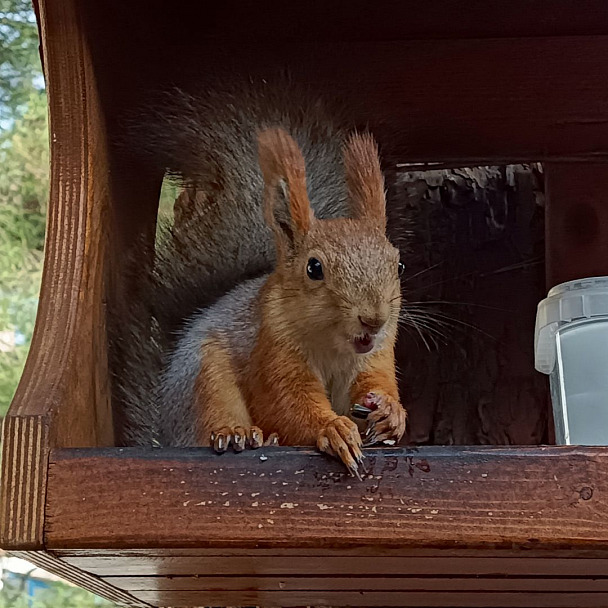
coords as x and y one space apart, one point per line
461 83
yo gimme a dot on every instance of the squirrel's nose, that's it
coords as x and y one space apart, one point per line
372 324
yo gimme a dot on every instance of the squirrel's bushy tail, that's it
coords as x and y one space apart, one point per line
208 143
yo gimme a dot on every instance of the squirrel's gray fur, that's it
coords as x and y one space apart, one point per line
234 318
208 143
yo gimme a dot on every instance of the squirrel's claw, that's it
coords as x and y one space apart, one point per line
272 441
386 423
240 437
340 438
221 440
355 472
369 439
255 438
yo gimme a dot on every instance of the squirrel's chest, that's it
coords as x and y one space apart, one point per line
337 379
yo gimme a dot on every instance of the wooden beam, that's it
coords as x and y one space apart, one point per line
360 583
469 101
128 571
282 497
414 599
360 21
477 101
365 575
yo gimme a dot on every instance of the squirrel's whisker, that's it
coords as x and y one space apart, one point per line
424 271
417 328
452 322
452 303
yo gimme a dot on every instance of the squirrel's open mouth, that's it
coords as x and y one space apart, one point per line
364 344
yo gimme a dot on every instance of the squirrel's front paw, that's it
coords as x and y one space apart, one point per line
386 421
240 437
341 438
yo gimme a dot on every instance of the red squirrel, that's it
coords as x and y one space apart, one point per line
287 352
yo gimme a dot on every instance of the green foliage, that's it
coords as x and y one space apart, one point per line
58 595
168 194
23 194
23 187
24 157
19 62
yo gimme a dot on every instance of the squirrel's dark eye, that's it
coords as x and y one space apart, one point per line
314 269
401 268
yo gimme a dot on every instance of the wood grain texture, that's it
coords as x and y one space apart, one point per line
66 369
369 575
87 581
507 100
77 237
433 497
566 555
358 583
576 221
411 599
468 101
329 562
24 464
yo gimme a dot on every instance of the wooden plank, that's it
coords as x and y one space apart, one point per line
567 554
358 584
576 221
470 101
85 580
339 566
377 598
358 20
432 497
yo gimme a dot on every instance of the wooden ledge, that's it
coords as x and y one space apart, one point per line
546 497
349 577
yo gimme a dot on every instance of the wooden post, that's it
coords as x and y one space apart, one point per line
576 221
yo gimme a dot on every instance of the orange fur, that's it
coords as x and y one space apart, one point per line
219 401
378 376
364 178
281 159
284 396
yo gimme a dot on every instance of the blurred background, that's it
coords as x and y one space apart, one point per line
24 159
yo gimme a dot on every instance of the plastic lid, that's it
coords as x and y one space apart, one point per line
572 301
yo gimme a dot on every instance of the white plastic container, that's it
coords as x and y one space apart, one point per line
571 346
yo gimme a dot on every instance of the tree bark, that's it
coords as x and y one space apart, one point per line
473 240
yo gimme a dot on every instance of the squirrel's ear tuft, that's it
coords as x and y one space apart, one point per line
364 178
286 206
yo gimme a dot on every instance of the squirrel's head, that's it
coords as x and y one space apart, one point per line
338 279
